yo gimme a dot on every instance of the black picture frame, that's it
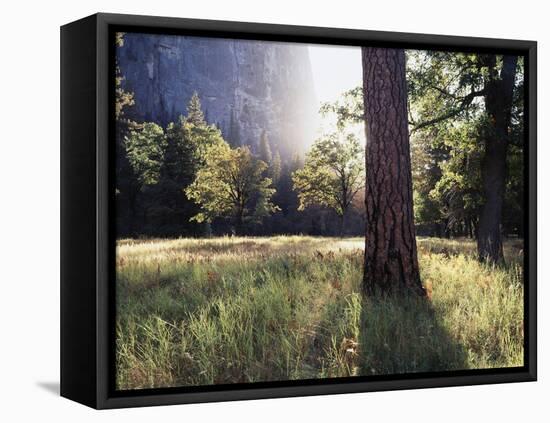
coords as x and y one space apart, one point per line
87 240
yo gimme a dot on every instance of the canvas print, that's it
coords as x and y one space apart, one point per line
290 211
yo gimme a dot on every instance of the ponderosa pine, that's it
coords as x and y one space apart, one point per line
391 263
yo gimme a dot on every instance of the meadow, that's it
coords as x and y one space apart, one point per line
237 309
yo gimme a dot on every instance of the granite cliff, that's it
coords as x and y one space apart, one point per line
245 87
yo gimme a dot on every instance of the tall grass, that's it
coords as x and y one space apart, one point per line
227 310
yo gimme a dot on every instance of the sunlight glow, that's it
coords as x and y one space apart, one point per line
336 69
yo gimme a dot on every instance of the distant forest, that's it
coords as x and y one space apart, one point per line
186 180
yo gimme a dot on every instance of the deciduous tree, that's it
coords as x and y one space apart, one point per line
499 90
231 185
332 175
145 151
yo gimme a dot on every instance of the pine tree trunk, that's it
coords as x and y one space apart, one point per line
391 263
498 103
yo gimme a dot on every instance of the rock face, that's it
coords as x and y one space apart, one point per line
246 87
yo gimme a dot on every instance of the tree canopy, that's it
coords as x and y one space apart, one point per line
467 131
333 173
167 175
145 151
231 185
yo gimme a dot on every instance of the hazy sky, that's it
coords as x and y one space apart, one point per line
335 69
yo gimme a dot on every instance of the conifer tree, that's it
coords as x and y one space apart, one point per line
265 150
195 114
275 168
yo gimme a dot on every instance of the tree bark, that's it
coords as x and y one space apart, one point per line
391 263
343 222
498 104
239 226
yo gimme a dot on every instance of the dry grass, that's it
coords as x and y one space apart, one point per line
188 250
226 310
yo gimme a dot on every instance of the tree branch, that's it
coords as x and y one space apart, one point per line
466 101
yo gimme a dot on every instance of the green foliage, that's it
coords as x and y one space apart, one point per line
276 168
123 99
234 136
145 151
231 184
459 188
166 207
348 109
194 111
449 125
333 173
155 166
227 310
443 87
202 136
127 185
447 119
447 176
119 39
425 174
181 150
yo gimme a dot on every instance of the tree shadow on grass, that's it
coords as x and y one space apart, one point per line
404 334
